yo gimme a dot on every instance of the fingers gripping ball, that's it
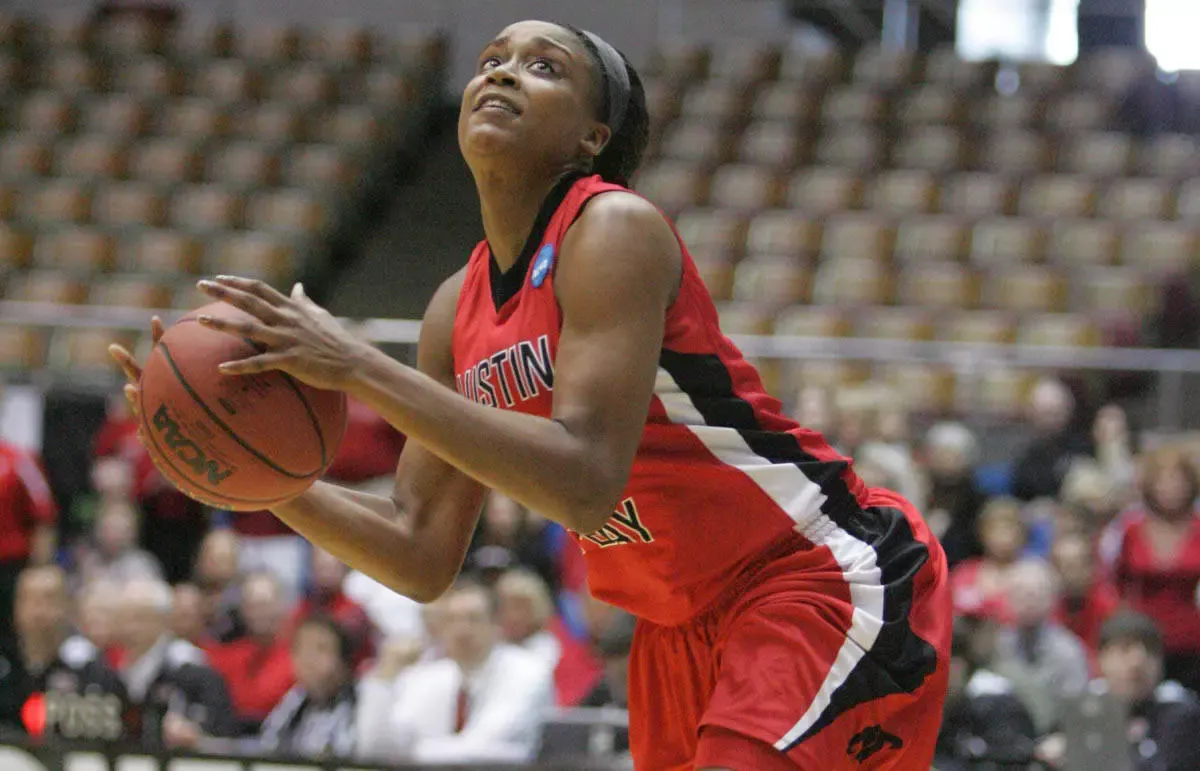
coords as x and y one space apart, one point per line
234 442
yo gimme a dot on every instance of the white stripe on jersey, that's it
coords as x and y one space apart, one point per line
802 499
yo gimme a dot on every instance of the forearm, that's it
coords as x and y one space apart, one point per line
365 532
536 461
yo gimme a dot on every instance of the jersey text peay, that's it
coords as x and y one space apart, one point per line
516 374
623 527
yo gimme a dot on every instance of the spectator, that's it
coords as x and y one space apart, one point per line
1087 599
115 556
1042 466
1114 454
60 668
28 519
814 408
528 620
483 703
978 585
218 576
316 718
955 500
178 698
891 467
1164 717
1153 555
266 544
370 449
187 617
258 667
509 535
613 646
99 602
327 576
855 418
1034 649
392 614
1093 494
982 717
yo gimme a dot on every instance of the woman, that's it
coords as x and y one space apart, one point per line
1153 556
789 615
979 585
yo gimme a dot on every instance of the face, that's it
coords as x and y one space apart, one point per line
217 565
116 529
112 477
1171 490
1030 595
187 613
503 516
517 614
97 616
1131 669
316 659
1073 560
328 572
947 462
1051 406
261 607
40 610
469 630
1002 536
544 113
140 623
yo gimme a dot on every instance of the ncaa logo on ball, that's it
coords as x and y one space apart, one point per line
187 450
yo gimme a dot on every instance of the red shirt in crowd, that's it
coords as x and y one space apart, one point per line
25 502
578 669
971 594
258 676
118 436
347 613
1167 590
370 448
1085 617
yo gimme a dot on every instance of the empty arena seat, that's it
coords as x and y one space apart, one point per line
16 246
1002 392
1100 154
827 374
696 141
128 36
1075 112
784 233
271 122
672 185
905 191
205 208
944 67
924 388
1058 195
22 349
162 252
1113 69
131 292
1188 206
244 165
1008 112
718 101
822 190
784 102
306 84
196 118
1025 288
203 39
858 236
739 318
900 323
978 194
23 156
268 42
1161 247
712 232
58 201
986 326
348 125
8 202
165 161
1058 329
883 68
716 271
13 73
1113 290
1015 151
771 143
937 238
46 286
812 321
343 44
1136 199
937 285
1007 240
852 281
802 65
318 166
150 77
1170 155
45 112
852 148
227 81
84 351
287 209
73 72
853 105
75 249
116 115
746 61
933 148
387 88
254 254
679 59
94 156
773 281
745 187
930 104
1076 243
128 204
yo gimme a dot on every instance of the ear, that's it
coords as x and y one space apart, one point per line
595 140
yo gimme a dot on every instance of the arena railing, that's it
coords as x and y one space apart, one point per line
967 360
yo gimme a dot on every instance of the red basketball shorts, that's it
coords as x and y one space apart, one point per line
832 656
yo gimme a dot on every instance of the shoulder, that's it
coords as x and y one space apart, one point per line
445 299
619 216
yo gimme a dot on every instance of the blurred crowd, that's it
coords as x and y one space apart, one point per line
1075 570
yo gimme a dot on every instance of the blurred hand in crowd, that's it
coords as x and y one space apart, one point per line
180 733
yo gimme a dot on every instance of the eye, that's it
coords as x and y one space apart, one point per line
543 65
489 62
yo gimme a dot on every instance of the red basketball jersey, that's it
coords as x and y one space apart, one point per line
721 475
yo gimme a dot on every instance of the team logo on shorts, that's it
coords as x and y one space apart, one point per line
871 740
542 265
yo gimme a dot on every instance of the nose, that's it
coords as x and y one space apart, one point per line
501 75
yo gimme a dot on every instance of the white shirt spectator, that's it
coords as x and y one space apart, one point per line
414 717
394 615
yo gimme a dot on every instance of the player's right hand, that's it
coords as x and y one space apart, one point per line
129 365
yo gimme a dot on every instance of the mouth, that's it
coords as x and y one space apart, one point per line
496 103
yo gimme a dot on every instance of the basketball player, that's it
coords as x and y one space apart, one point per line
789 616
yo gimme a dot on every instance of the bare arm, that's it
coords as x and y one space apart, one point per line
415 541
619 271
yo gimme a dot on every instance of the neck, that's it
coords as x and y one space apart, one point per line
39 651
509 204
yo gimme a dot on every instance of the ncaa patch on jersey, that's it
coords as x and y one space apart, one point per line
542 265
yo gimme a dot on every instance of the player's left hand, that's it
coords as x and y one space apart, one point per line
299 337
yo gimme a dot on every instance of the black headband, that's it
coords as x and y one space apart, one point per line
617 91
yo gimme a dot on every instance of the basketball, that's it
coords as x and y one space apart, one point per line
234 442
